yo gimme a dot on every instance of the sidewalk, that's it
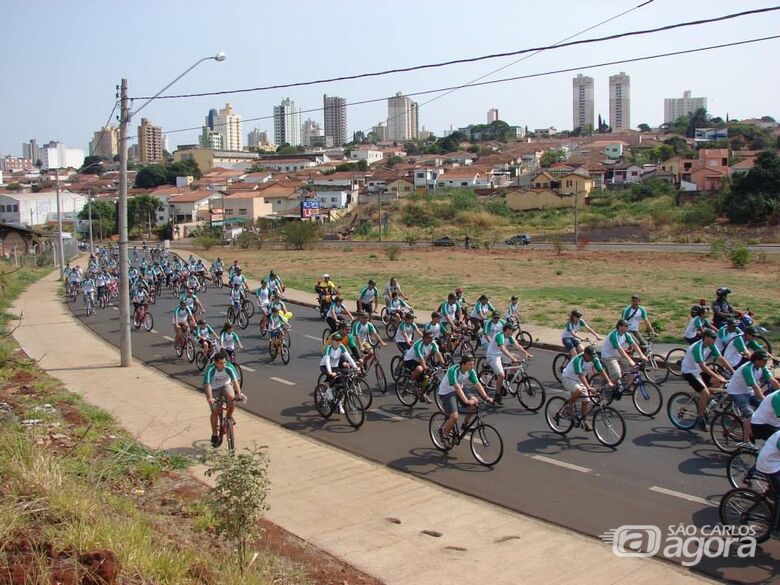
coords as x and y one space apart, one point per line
366 514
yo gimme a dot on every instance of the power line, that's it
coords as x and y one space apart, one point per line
521 77
480 58
103 131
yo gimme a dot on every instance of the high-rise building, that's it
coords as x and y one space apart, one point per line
309 130
229 125
377 133
257 137
55 155
677 107
492 115
105 143
620 102
287 123
402 118
150 143
30 150
211 139
582 94
335 109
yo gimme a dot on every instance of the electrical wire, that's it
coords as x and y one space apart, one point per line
526 76
103 131
476 59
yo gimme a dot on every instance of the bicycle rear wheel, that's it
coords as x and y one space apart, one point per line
363 391
179 348
249 308
240 373
390 329
354 410
380 380
555 414
524 339
404 389
741 471
744 507
608 426
764 342
682 410
726 431
395 367
530 393
647 397
284 351
190 350
231 315
325 335
559 363
383 316
230 433
486 445
148 322
243 319
323 405
674 360
655 370
201 360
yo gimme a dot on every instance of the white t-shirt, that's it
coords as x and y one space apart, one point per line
614 340
743 379
768 412
696 355
768 461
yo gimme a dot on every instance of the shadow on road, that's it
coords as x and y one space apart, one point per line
424 461
549 443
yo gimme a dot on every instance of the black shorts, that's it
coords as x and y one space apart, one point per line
694 382
763 432
411 364
367 307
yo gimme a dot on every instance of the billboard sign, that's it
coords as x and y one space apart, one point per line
310 208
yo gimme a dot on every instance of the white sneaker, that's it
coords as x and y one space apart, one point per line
747 445
329 394
341 407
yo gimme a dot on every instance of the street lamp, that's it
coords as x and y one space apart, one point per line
125 115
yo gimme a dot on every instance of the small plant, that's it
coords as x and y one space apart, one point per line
393 252
207 241
239 497
558 245
411 238
298 234
558 272
371 256
739 256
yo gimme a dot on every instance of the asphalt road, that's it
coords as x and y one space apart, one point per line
658 476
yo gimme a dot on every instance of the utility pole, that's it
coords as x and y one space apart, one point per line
125 343
59 227
89 211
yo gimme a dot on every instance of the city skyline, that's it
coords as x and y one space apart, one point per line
539 102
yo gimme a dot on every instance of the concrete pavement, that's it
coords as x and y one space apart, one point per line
364 513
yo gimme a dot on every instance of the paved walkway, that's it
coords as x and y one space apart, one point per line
361 512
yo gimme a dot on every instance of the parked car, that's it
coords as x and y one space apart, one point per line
444 241
519 240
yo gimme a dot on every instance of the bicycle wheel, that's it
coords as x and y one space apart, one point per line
435 423
231 315
404 389
530 393
201 360
486 444
647 397
148 322
608 426
323 405
606 392
383 316
726 431
240 373
390 329
230 434
437 400
136 321
682 410
363 391
741 471
524 339
284 351
249 308
674 360
655 370
395 367
557 419
263 327
354 410
466 347
380 380
190 350
744 507
325 335
273 350
764 342
559 363
179 348
243 319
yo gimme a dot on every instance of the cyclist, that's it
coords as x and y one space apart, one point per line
239 279
415 357
768 463
140 299
74 278
462 304
277 302
351 342
436 328
699 375
88 288
182 319
480 311
364 329
404 335
263 294
616 349
236 296
228 339
191 300
390 288
512 314
232 270
337 312
571 341
449 310
277 324
335 355
636 315
766 420
275 283
451 391
101 281
745 390
220 381
697 325
721 309
217 268
575 380
726 333
492 327
397 306
367 297
496 350
206 336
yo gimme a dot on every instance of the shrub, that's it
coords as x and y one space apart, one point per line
480 219
411 238
718 247
418 215
699 215
739 256
393 252
207 241
298 234
558 245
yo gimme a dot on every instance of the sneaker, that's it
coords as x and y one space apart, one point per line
497 398
747 445
424 398
341 407
329 394
701 423
215 441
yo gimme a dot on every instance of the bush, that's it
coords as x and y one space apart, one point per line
558 245
299 234
700 214
480 219
247 240
411 238
393 252
207 241
739 256
418 215
718 247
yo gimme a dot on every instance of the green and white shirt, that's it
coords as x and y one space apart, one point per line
220 379
499 339
745 377
420 350
737 346
481 310
368 294
694 325
456 376
363 330
614 340
435 329
229 340
572 328
768 461
579 366
768 412
634 317
405 330
698 354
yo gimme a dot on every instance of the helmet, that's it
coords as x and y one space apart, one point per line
697 310
723 291
435 314
710 334
576 313
621 323
326 276
515 297
751 330
343 325
469 357
496 314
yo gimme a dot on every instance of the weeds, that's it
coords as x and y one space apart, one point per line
393 252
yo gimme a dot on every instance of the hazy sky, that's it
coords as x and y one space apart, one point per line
62 60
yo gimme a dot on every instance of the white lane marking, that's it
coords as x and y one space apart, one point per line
168 338
248 369
313 337
561 463
682 496
155 331
389 415
282 381
115 308
224 313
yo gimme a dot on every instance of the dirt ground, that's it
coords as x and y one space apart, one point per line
549 285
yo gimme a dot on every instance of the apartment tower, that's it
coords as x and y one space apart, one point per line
583 105
620 102
150 142
335 109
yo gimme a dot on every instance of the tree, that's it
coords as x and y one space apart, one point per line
644 128
93 165
103 217
151 176
552 156
142 211
755 197
394 160
298 234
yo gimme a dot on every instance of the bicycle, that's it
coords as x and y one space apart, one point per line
529 391
102 297
278 344
183 344
485 442
327 398
410 391
216 279
682 408
562 359
89 303
372 367
674 360
225 424
646 395
142 316
523 337
746 507
654 369
202 358
741 470
237 315
607 424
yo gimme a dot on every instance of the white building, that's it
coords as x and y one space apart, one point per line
583 103
33 209
677 107
402 119
370 156
334 199
228 125
492 115
620 102
287 123
309 130
55 155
